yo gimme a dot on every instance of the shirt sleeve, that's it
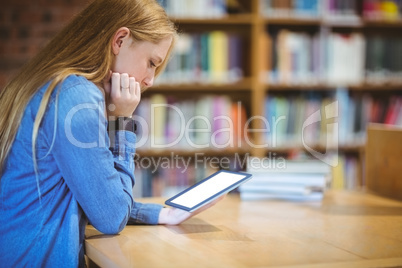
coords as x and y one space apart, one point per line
145 213
141 213
101 179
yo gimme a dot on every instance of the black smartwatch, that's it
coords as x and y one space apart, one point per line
122 123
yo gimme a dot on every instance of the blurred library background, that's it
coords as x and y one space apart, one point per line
273 83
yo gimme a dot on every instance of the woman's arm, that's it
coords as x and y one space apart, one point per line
101 179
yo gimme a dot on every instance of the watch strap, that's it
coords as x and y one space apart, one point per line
122 123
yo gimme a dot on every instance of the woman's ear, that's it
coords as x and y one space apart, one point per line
121 35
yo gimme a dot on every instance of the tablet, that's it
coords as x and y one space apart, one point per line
207 190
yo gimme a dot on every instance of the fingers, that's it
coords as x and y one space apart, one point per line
135 90
121 85
125 94
115 91
173 216
132 85
124 83
138 90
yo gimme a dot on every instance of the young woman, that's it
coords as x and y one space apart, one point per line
58 167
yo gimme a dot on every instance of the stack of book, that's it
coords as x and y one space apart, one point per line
295 180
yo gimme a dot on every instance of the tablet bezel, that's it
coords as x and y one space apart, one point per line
211 198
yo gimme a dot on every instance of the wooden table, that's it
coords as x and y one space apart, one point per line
346 229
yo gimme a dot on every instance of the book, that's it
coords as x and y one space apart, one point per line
214 57
310 180
248 196
191 124
297 57
338 181
158 105
239 119
298 8
346 48
394 109
218 57
234 58
256 165
382 10
296 180
341 12
222 123
349 117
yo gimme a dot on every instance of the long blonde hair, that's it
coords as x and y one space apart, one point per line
84 48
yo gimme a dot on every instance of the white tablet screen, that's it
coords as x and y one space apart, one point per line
207 189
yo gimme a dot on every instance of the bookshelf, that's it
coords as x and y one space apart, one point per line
255 23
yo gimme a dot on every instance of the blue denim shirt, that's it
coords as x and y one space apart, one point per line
78 178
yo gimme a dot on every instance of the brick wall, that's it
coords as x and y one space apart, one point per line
26 26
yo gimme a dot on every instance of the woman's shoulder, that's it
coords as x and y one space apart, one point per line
79 83
80 89
74 80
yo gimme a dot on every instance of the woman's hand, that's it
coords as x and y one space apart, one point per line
123 94
174 216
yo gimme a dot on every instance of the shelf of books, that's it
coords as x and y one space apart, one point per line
274 83
216 57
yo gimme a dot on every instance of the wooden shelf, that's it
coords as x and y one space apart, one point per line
243 85
230 19
297 87
319 148
312 21
382 23
242 152
292 21
343 148
192 153
387 86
